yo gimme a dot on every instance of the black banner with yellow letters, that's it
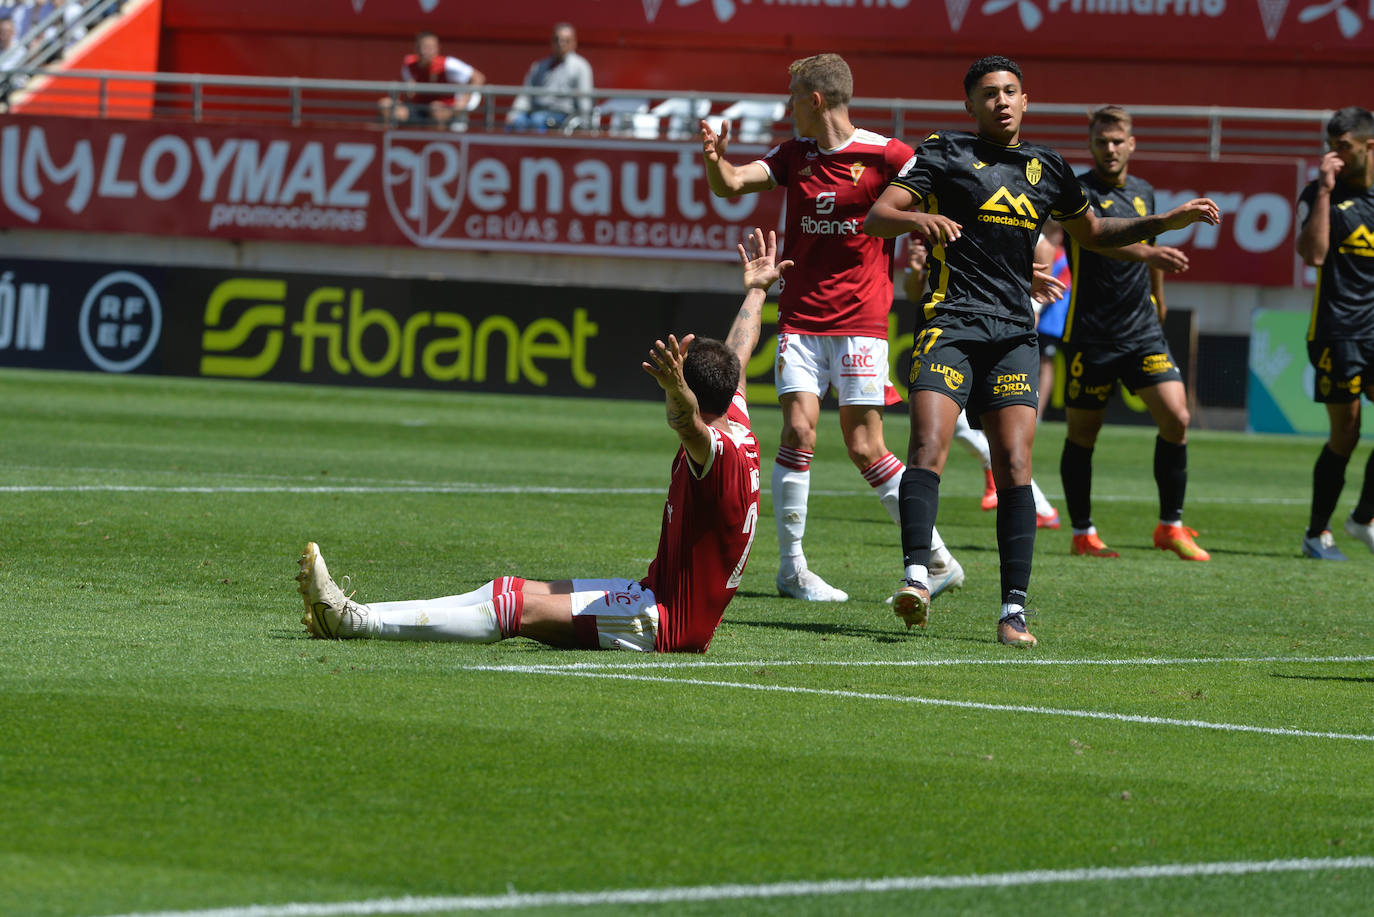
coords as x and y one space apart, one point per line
399 332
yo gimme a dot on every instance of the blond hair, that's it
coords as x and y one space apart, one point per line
1110 115
827 74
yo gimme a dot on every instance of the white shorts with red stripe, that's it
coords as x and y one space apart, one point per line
855 366
614 614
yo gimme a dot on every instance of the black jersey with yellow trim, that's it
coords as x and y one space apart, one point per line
1110 300
1000 195
1343 303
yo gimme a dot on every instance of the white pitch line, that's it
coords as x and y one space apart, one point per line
961 704
325 489
480 488
698 893
910 663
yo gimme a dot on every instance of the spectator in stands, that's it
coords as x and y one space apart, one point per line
562 71
20 14
12 52
427 65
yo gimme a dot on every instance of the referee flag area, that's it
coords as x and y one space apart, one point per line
1187 738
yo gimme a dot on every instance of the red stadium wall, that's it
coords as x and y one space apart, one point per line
1180 52
128 43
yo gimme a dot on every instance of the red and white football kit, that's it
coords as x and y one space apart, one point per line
708 529
841 283
441 69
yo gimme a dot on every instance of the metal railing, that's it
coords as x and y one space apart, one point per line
1208 132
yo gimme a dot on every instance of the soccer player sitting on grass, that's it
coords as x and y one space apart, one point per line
707 530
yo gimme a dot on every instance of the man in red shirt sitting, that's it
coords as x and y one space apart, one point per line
427 65
708 525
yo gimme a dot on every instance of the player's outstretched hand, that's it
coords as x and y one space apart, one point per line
761 269
937 228
1167 258
1198 210
712 144
665 362
1045 287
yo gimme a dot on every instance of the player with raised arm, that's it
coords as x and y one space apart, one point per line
833 308
1113 331
1336 215
981 200
707 529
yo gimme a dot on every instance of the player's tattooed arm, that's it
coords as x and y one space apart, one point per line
1092 231
759 258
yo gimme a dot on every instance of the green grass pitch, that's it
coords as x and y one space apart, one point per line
170 741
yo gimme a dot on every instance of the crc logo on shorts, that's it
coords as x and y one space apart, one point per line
953 378
1156 363
861 360
120 322
423 180
1011 384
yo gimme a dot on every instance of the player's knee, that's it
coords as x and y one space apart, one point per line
863 454
1015 468
799 436
1175 427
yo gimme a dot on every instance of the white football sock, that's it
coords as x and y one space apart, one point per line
975 442
791 489
885 477
938 552
435 619
1042 505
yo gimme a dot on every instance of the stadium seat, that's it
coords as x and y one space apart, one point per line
460 118
752 122
682 116
625 117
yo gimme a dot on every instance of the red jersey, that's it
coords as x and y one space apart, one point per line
708 529
441 69
842 281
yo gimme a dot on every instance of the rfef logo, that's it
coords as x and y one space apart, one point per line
120 322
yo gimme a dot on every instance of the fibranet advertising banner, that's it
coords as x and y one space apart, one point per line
443 191
348 331
314 328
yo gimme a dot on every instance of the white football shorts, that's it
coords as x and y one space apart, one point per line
855 366
615 614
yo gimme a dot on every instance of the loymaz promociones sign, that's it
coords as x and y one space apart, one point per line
437 190
424 189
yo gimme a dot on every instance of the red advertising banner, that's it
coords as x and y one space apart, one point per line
1255 243
425 189
1131 29
438 190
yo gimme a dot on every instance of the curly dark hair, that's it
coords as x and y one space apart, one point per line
993 63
